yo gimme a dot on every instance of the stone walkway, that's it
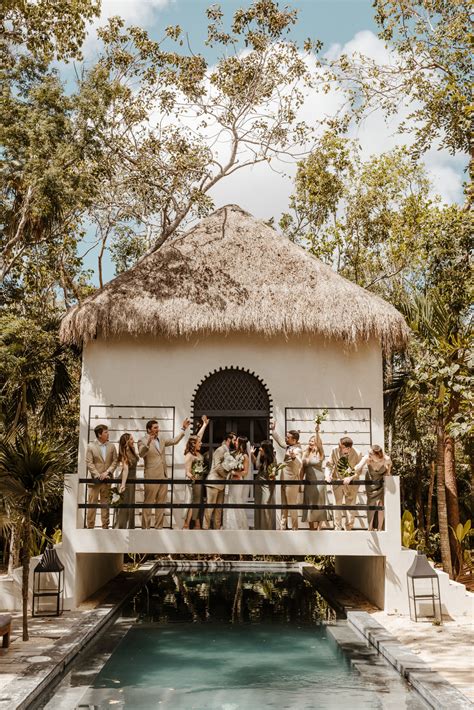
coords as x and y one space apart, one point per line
29 666
447 649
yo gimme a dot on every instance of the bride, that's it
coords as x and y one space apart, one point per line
235 519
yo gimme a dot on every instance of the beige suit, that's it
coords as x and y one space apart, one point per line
155 467
215 486
291 472
98 491
344 495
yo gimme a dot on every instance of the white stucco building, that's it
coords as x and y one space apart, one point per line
234 321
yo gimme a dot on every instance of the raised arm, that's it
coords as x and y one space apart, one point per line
175 440
205 422
276 436
389 465
319 442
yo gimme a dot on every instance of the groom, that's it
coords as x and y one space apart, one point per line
215 483
293 461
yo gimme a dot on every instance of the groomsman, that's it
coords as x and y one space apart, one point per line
101 461
215 483
344 494
152 449
293 460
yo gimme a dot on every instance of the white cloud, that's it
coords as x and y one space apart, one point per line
266 193
447 174
134 12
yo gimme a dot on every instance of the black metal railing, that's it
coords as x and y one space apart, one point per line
171 504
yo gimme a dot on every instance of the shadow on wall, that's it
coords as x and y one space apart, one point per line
390 574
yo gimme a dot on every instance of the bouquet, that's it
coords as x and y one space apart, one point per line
239 462
272 470
198 469
115 496
321 417
233 463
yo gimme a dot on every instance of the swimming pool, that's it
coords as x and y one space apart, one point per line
228 641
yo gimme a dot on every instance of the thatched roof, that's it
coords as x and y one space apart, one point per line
233 273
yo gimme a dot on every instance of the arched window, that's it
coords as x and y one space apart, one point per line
232 392
235 400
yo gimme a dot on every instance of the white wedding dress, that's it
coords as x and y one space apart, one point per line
235 519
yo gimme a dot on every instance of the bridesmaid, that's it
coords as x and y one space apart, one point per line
194 491
312 471
265 519
378 465
127 463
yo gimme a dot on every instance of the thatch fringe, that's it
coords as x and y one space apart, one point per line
233 273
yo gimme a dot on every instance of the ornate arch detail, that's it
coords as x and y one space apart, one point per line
232 390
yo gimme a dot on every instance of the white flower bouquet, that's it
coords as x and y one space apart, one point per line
115 496
232 463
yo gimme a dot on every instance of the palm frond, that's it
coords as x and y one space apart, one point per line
60 391
427 315
394 392
32 473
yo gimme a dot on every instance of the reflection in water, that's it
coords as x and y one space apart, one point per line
237 605
233 597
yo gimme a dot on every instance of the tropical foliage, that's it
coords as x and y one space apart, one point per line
31 482
429 74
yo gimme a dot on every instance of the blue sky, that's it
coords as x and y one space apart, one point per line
328 20
346 25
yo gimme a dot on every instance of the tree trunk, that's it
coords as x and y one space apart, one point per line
429 507
25 561
441 491
14 554
452 500
420 518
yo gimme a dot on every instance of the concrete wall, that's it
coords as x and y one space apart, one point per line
367 574
92 572
298 373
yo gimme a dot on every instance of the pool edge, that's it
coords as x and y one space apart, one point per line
433 688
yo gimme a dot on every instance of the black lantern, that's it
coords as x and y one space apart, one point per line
48 584
422 577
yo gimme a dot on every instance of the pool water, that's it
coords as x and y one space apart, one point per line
229 641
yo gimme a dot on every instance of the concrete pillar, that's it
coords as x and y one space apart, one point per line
86 572
366 574
93 570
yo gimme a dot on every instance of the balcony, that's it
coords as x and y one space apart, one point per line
174 540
